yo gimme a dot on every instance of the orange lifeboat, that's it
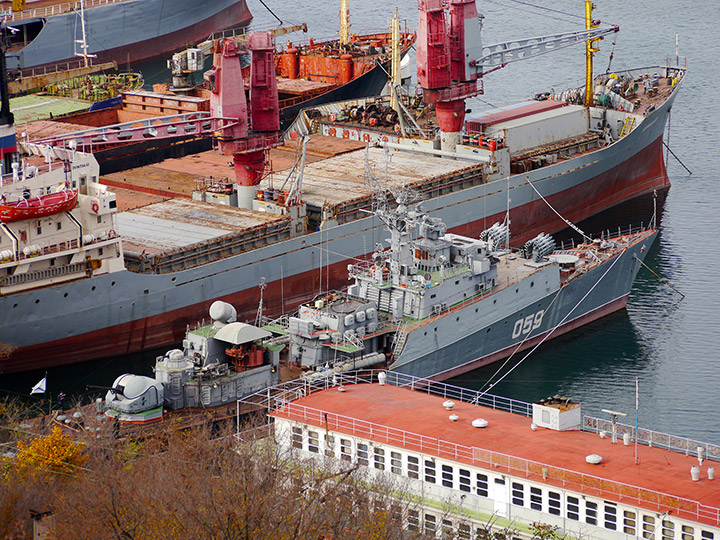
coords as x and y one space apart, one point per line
35 207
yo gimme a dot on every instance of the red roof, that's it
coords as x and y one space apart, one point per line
415 420
481 123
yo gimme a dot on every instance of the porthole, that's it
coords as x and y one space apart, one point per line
532 283
517 291
457 319
112 284
65 295
174 279
92 288
37 301
14 305
435 329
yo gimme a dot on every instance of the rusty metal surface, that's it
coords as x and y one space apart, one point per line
341 179
300 86
179 222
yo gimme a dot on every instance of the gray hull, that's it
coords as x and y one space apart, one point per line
489 330
127 31
125 312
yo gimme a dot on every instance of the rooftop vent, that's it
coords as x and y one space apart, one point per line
479 423
449 404
593 459
454 417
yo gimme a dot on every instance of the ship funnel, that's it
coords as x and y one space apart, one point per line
495 236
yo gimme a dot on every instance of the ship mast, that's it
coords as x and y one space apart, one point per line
590 50
344 24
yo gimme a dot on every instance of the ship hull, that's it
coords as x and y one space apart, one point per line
125 312
490 330
129 31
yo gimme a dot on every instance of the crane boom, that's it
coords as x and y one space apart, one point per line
522 49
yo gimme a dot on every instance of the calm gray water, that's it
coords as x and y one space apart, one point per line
669 344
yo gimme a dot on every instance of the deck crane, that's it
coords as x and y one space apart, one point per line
451 60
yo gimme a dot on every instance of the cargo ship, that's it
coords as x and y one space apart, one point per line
47 32
156 266
475 465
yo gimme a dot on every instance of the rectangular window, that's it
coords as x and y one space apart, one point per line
629 522
610 516
518 494
413 465
330 446
430 471
464 531
648 527
396 513
430 523
591 509
688 533
464 480
379 459
447 476
413 520
481 485
59 225
573 508
554 503
362 453
297 437
345 450
313 442
668 530
39 230
536 498
707 535
395 462
447 530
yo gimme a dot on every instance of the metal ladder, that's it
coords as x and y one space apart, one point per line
399 340
627 125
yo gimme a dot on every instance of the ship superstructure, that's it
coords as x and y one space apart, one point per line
467 464
437 304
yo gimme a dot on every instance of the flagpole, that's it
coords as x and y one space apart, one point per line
637 408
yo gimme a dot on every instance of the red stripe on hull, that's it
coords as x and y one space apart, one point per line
639 176
599 313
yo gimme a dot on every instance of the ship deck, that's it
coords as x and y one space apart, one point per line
155 201
508 444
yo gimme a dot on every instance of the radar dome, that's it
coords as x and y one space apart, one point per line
222 312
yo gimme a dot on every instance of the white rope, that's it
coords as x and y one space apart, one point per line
569 224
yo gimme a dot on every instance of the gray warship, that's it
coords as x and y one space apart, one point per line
436 304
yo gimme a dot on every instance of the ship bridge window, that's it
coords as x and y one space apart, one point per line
413 467
707 535
59 225
688 533
536 498
668 530
518 494
395 463
313 442
648 527
591 512
379 459
554 503
362 454
297 437
630 523
481 485
112 204
430 524
39 229
573 508
345 450
430 471
464 480
447 476
330 446
414 520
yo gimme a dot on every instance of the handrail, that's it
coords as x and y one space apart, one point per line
56 9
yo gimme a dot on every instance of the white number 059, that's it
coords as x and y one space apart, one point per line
528 324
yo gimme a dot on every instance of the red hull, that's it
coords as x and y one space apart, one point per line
641 176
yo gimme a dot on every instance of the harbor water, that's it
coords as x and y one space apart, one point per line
664 340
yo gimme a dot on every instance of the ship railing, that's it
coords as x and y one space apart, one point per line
27 73
503 463
297 388
606 234
687 446
55 9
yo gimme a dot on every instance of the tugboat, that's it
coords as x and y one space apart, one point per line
437 304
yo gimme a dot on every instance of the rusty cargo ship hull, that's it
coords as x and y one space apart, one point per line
128 311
